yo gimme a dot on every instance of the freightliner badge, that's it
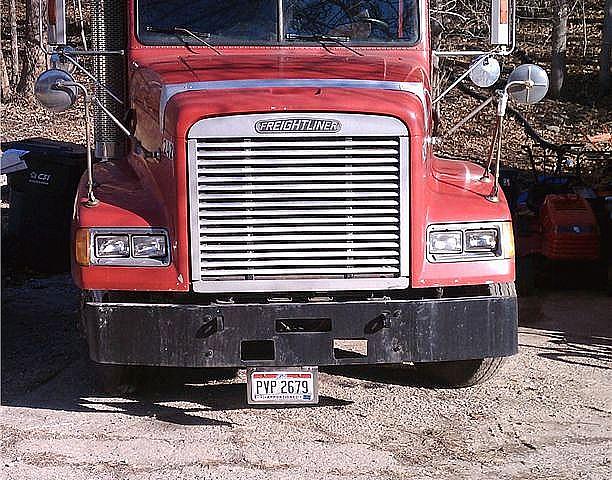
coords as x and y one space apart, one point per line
294 125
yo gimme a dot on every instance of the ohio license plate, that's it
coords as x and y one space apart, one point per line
282 385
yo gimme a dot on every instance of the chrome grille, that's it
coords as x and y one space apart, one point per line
302 208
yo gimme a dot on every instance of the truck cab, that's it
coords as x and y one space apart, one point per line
278 200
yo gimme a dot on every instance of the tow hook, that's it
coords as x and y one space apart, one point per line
212 325
382 321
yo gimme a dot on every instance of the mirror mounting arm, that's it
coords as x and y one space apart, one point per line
92 77
497 143
464 75
92 201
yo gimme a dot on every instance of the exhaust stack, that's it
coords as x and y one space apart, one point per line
109 31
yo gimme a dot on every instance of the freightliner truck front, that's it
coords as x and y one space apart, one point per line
265 195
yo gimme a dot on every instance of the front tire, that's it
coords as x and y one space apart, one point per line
460 373
115 379
466 373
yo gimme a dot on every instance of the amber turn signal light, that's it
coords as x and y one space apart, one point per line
81 247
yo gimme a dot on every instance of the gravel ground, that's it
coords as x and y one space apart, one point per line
546 416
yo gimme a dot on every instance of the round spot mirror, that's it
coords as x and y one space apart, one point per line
51 94
528 84
486 72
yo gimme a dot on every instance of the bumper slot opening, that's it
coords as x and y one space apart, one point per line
303 325
253 350
350 348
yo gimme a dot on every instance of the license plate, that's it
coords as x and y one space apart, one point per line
282 385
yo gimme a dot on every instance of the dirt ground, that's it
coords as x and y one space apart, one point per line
546 416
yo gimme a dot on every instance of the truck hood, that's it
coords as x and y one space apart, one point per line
200 68
158 85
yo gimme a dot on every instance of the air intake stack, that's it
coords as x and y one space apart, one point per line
109 31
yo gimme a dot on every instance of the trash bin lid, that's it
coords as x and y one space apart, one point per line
66 153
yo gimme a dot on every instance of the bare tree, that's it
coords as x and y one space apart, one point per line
34 59
605 58
560 14
5 85
14 44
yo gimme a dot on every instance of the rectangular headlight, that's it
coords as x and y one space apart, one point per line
445 242
481 240
462 242
125 247
148 246
112 246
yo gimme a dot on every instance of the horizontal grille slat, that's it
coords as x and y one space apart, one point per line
281 199
301 186
303 263
297 208
301 229
250 180
304 222
330 247
252 206
298 237
271 215
298 170
300 271
203 145
249 255
296 152
299 161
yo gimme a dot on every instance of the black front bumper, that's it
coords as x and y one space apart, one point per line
239 335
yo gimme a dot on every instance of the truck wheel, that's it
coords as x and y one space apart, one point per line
114 379
526 268
460 373
465 373
502 289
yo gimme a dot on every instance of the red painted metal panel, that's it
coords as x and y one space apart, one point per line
152 192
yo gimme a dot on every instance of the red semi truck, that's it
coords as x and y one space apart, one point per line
265 195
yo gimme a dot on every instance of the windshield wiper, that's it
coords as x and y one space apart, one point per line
177 31
322 39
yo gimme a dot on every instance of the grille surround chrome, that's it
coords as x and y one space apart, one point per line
299 176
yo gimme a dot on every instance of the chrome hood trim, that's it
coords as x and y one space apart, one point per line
168 91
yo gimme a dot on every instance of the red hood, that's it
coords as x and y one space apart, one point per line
197 68
151 80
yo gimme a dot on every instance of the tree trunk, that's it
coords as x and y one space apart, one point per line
34 59
559 46
5 84
14 44
605 59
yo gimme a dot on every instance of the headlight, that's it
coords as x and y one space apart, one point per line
445 242
141 247
481 240
150 246
469 241
112 246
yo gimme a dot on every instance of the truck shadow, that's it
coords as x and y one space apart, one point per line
571 326
43 361
174 402
378 375
168 399
44 366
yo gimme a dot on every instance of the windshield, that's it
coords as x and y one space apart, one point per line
254 22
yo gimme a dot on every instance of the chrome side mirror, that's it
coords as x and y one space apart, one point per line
527 84
51 92
485 72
